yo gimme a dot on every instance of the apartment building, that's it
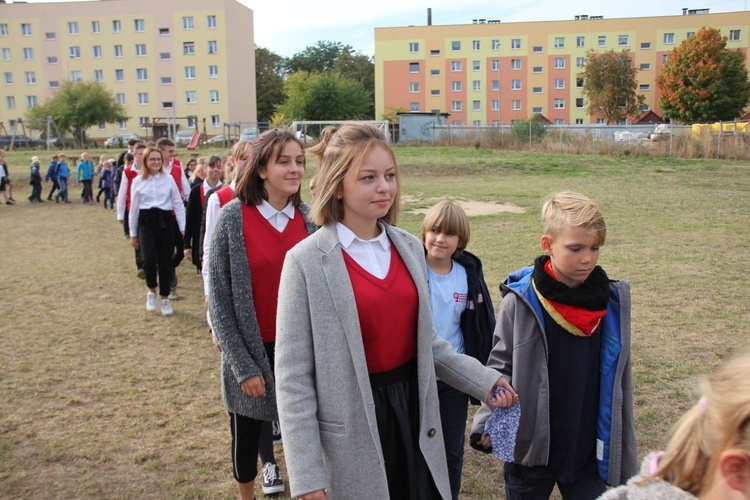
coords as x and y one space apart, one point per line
184 59
489 72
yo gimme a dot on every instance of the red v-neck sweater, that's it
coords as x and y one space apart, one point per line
266 248
387 312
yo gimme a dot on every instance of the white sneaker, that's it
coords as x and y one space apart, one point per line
151 301
272 482
166 307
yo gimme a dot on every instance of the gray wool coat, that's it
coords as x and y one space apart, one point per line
326 407
233 316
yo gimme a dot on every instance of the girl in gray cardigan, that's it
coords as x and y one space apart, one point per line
248 245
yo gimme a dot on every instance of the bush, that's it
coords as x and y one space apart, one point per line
531 130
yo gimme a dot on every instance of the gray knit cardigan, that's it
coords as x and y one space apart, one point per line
233 316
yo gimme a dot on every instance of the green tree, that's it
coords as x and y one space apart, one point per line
609 85
328 96
269 82
703 81
78 106
318 58
533 129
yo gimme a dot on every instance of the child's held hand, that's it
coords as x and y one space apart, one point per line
485 442
503 395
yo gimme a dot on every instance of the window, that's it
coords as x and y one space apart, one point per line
664 58
515 104
495 85
455 65
579 83
456 106
52 60
76 76
191 97
414 87
10 102
50 35
495 104
189 72
476 105
143 98
537 110
579 121
476 86
580 41
187 23
413 47
119 75
166 80
456 86
28 54
73 28
435 92
75 52
537 90
142 121
435 53
602 40
668 38
122 125
559 83
515 84
515 64
559 42
580 62
167 105
26 29
734 35
97 51
211 22
434 72
600 121
538 49
6 54
495 65
140 49
141 74
559 121
31 77
215 122
645 107
645 66
515 43
475 65
537 69
475 45
3 29
8 78
191 121
116 26
102 126
644 87
495 44
95 28
139 25
579 102
188 48
690 34
559 62
559 103
53 84
623 40
645 45
121 99
212 47
98 75
476 123
213 72
163 31
455 46
213 96
414 67
118 50
165 56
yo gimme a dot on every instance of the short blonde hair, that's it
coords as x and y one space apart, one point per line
342 150
568 209
448 217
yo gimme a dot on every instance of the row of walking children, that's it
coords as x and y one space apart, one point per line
58 173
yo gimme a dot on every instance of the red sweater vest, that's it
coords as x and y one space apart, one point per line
266 248
387 310
225 195
177 174
130 174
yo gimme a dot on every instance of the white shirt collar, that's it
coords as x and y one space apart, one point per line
207 188
267 211
347 237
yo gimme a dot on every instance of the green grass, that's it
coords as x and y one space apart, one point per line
100 399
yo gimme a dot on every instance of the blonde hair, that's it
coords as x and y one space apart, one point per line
721 420
230 167
342 150
448 217
196 172
568 209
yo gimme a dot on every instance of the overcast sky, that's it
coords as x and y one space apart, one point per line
288 26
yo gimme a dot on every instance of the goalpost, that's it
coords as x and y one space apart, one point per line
300 127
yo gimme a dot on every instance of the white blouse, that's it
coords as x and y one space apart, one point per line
157 191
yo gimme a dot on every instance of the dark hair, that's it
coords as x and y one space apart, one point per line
213 160
266 148
132 141
164 141
129 157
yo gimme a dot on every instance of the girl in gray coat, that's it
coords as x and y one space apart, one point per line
358 356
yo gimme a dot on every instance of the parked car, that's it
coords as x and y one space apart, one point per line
183 137
306 139
249 134
219 140
61 142
20 141
121 140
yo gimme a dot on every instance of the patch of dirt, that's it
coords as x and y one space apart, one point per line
472 207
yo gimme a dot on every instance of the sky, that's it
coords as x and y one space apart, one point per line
287 27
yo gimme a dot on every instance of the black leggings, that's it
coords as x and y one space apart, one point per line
156 230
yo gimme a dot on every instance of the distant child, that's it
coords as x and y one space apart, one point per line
563 340
708 455
63 173
5 183
85 174
462 314
106 176
52 176
35 179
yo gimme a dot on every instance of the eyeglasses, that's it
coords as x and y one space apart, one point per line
156 159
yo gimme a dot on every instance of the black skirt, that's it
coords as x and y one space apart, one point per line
396 396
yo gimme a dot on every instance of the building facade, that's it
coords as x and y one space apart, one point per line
181 61
489 72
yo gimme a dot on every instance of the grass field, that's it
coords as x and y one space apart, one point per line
100 399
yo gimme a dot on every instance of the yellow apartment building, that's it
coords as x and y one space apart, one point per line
489 72
186 60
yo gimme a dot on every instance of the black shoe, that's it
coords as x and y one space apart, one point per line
10 202
272 482
276 432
